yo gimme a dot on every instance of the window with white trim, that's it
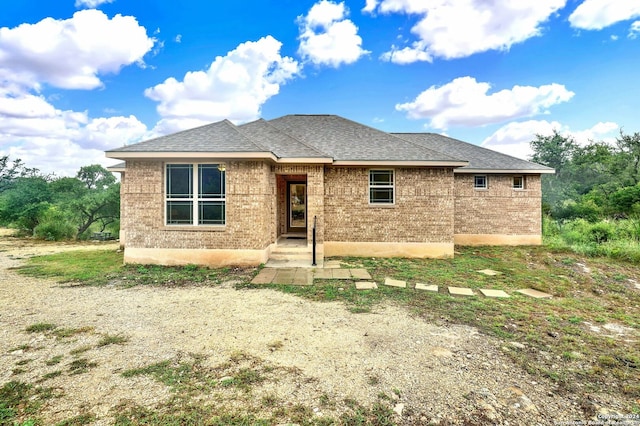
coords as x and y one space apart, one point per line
518 182
195 194
381 187
480 182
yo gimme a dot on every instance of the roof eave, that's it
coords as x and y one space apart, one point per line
506 171
400 163
155 155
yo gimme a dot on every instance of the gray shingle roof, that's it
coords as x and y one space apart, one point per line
222 136
278 142
479 158
346 140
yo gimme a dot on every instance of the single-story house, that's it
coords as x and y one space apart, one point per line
225 194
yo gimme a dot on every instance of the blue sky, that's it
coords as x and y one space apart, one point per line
78 77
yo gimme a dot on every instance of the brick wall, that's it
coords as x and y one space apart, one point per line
499 209
250 209
423 210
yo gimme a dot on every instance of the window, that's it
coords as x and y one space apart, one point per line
518 182
480 182
195 194
381 187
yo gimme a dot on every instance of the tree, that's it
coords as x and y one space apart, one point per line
96 177
629 147
25 201
10 171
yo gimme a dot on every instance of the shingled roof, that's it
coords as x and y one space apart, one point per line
324 139
480 159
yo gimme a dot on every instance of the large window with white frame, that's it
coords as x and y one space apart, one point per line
480 182
195 194
381 187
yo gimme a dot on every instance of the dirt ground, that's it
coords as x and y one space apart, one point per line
432 374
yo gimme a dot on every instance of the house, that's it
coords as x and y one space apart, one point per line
225 194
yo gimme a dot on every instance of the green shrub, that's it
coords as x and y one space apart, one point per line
54 226
601 232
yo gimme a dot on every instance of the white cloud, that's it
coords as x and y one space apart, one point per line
465 102
598 14
71 53
91 4
459 28
178 38
370 6
634 29
235 87
514 138
327 37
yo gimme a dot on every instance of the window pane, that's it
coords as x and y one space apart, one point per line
480 181
518 182
381 195
211 181
179 213
179 180
211 212
381 177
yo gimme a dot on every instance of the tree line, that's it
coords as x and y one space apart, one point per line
56 208
595 181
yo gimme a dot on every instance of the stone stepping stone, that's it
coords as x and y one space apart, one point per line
323 274
360 274
265 276
366 285
395 283
427 287
460 291
535 293
332 264
341 274
493 293
489 272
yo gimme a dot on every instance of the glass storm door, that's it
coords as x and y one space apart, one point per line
297 207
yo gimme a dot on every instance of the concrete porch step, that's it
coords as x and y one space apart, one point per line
291 250
290 256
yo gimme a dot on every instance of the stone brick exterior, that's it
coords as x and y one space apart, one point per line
423 210
250 209
499 209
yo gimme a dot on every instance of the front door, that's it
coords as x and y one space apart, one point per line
297 207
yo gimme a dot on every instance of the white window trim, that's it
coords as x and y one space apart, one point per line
194 199
523 183
481 188
392 186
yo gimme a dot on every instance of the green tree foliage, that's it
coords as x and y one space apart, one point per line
594 181
58 208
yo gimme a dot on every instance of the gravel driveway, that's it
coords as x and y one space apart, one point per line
446 374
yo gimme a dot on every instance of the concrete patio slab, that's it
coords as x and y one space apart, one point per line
332 264
489 272
535 293
360 274
460 291
366 285
302 277
341 274
265 276
395 283
427 287
494 293
323 274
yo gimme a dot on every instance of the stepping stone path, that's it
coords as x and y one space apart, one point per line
395 283
460 291
427 287
494 293
489 272
534 293
366 285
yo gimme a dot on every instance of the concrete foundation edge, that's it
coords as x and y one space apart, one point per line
387 249
205 257
497 240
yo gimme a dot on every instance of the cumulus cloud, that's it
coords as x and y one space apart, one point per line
634 29
455 29
466 102
327 37
514 138
71 53
91 4
235 87
599 14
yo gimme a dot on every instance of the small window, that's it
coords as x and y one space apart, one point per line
480 182
195 194
381 187
518 182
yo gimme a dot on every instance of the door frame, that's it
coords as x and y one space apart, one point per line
288 227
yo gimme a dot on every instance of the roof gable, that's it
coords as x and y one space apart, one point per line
281 144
